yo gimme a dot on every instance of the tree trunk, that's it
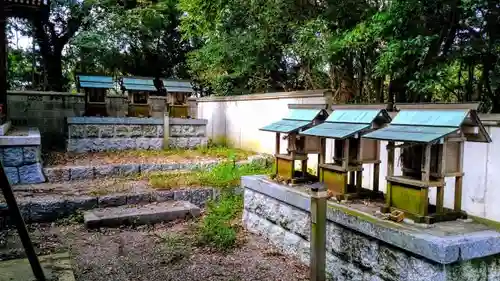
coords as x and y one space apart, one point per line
53 64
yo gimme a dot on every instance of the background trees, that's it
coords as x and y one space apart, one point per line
364 50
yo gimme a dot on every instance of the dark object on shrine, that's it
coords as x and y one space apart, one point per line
299 118
95 88
178 92
431 141
138 89
343 176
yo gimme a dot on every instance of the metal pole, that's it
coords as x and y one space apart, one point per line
318 233
16 216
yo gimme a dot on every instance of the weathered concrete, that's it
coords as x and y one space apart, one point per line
57 267
363 247
147 214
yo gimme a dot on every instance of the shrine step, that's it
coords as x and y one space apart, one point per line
139 215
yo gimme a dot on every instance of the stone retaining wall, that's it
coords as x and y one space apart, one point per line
73 173
364 248
108 133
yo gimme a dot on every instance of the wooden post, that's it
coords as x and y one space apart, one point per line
3 67
318 234
166 130
440 189
390 173
321 156
459 179
426 174
277 151
376 169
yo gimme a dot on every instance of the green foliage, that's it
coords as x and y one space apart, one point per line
219 227
224 175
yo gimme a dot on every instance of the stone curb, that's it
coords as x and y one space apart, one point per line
49 208
73 173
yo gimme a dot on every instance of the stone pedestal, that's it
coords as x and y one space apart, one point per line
363 247
20 153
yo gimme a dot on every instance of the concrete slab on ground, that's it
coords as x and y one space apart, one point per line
57 267
139 215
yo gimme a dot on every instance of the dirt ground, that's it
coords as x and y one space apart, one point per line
160 252
61 159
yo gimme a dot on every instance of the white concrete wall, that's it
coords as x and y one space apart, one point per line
239 118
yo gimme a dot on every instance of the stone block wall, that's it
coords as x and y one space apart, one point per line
109 133
187 133
366 250
45 110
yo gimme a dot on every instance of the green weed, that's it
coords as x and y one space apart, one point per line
219 228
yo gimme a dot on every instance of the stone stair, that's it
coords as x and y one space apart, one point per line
140 215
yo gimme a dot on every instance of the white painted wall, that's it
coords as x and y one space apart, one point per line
239 119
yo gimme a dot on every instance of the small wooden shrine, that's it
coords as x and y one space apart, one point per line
346 124
431 141
178 92
138 89
95 89
299 118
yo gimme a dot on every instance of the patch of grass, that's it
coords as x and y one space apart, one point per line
226 174
177 248
219 227
212 150
75 218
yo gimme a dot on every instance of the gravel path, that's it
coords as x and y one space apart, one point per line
163 252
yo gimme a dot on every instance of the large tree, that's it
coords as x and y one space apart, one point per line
66 18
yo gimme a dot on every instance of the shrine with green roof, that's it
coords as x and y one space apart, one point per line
346 124
95 88
138 90
299 118
177 92
431 141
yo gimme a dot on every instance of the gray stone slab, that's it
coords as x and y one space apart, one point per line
31 174
31 154
4 128
12 174
184 121
57 174
112 200
444 249
115 121
81 173
199 197
138 198
147 214
28 136
13 156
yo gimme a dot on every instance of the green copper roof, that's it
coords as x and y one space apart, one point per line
439 118
335 130
91 81
285 126
139 84
296 119
302 114
358 116
424 134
